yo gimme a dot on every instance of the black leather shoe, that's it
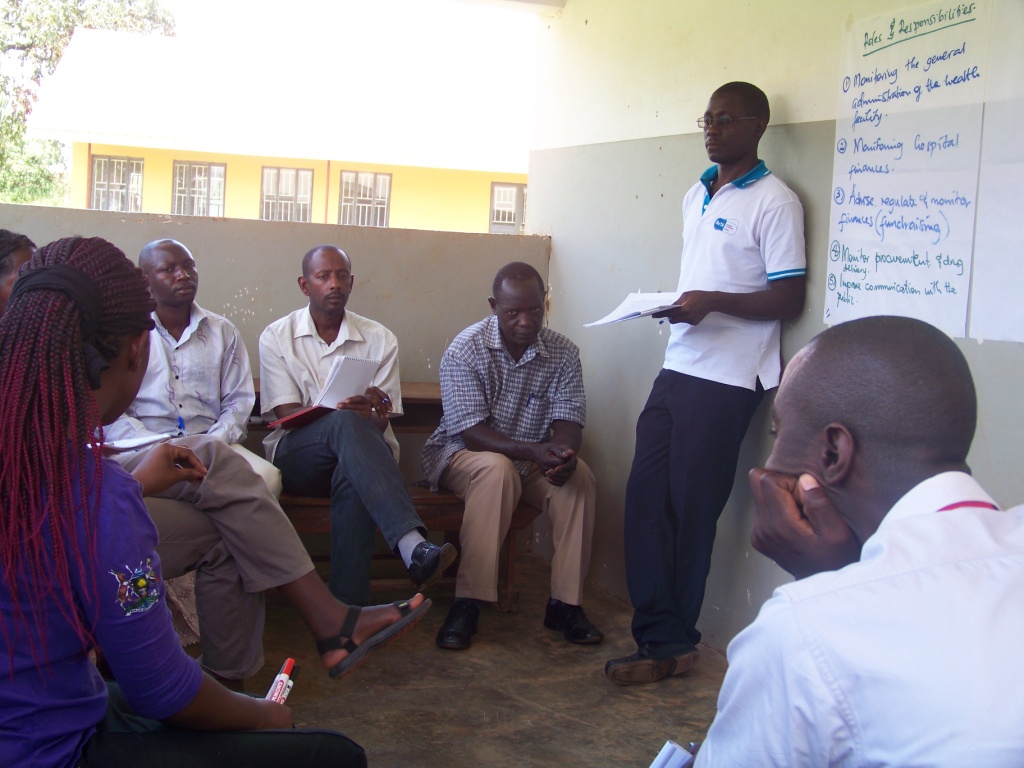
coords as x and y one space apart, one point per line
571 621
429 561
459 626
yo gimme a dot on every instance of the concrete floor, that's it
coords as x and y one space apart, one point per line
521 696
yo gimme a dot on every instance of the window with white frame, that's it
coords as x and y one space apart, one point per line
365 199
116 184
198 189
287 194
508 209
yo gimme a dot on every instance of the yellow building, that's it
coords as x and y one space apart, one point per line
162 137
183 182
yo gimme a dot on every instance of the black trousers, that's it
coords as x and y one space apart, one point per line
125 739
688 441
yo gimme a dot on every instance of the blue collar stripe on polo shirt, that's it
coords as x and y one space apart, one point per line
759 171
707 178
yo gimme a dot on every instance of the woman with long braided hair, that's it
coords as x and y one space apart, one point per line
78 549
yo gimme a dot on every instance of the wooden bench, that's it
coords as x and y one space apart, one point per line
440 511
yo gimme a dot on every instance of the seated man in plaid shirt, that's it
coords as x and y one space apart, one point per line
514 410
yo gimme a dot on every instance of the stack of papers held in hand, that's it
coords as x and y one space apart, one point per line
638 305
348 376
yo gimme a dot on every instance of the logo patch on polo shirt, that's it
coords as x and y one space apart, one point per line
728 226
138 589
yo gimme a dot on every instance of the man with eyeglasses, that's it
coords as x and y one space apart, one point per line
742 273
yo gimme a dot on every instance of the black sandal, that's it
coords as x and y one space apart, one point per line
357 652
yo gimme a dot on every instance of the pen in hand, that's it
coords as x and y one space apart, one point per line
282 685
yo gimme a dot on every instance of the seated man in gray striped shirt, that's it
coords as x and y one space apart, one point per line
514 410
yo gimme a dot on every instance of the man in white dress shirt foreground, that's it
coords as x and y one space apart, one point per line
199 380
900 642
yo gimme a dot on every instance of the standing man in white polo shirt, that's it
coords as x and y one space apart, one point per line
743 267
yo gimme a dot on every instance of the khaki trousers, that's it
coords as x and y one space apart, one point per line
231 531
490 487
271 475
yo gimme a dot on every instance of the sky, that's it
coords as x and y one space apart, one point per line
263 18
471 59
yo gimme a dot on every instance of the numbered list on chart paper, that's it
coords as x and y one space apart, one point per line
905 170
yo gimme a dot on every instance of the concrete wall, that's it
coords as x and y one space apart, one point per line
424 286
615 151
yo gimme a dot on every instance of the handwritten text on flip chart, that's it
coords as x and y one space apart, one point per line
905 165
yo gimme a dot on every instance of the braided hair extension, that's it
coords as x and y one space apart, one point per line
50 425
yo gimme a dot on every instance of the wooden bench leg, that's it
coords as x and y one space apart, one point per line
452 537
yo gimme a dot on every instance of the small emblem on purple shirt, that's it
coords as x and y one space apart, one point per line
138 589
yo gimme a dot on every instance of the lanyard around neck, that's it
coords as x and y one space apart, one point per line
973 504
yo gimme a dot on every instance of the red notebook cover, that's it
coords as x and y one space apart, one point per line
348 376
301 418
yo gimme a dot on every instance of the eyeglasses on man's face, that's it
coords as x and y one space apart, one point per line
722 121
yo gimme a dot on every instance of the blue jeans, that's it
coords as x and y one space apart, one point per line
344 457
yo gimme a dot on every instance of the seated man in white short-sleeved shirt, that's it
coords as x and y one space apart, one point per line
349 454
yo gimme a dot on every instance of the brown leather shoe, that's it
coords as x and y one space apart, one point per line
643 667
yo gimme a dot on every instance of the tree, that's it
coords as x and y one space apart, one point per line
33 36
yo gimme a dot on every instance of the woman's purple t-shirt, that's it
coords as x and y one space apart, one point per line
49 711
